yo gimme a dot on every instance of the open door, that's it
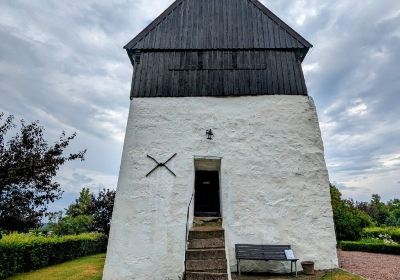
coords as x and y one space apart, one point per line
207 200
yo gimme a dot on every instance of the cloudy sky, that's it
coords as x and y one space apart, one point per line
62 62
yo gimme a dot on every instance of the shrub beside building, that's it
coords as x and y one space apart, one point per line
25 252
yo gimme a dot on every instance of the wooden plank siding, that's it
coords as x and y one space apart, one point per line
217 48
221 73
218 24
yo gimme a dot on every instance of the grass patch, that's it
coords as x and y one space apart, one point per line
91 268
86 268
340 275
27 252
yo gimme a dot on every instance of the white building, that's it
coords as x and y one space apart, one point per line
232 68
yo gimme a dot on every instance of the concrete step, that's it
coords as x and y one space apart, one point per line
205 254
217 265
206 243
207 221
206 276
206 232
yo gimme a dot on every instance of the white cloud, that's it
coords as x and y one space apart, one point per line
74 179
107 121
310 67
391 160
365 185
63 63
359 109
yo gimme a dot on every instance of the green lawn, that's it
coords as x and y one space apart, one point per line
340 275
91 268
86 268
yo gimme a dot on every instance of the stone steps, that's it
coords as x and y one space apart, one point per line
207 221
212 265
206 232
206 256
206 276
206 243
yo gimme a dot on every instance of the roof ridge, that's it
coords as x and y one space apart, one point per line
281 23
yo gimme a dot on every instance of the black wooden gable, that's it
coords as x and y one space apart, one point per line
217 48
218 24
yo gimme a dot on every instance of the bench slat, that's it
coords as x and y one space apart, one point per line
261 252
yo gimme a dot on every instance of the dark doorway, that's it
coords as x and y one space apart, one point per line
206 200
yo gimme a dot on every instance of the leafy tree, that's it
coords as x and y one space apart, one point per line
349 221
393 219
394 204
102 208
55 217
383 214
73 225
82 204
98 208
28 165
393 207
378 210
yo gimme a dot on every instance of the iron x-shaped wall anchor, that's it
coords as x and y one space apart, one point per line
161 164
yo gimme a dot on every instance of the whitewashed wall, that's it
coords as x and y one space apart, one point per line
274 181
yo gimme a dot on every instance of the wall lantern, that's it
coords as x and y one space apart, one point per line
210 134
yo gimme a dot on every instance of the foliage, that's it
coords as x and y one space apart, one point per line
349 221
394 218
25 252
383 214
372 246
86 268
102 208
73 225
392 233
380 213
28 165
82 204
376 209
88 213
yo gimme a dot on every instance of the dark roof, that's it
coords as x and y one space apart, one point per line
220 73
217 48
218 24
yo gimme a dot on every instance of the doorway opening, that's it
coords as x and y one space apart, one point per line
207 189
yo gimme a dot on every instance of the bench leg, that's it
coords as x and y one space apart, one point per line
295 265
291 268
238 267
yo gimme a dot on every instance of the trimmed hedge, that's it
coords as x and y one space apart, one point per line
371 247
377 232
26 252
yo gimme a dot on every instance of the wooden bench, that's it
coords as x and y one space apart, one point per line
264 253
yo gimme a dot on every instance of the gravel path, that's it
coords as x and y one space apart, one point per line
371 266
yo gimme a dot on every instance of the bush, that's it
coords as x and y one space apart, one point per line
25 252
349 221
73 225
382 232
372 246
